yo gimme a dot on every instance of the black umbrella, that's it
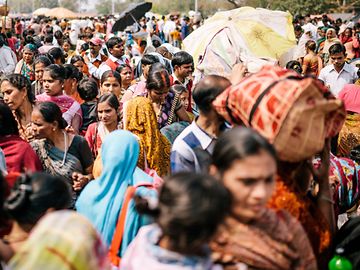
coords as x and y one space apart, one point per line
130 16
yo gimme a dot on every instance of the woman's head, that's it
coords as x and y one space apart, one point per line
330 33
310 45
46 119
78 62
40 63
126 74
246 164
294 65
72 77
158 83
35 194
29 52
108 108
8 124
66 45
88 89
16 90
62 240
53 79
182 92
348 32
111 83
58 55
189 210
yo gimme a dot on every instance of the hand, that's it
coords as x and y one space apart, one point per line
237 73
80 181
321 174
69 129
86 59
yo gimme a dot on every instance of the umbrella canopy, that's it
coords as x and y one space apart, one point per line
41 11
230 36
60 12
133 13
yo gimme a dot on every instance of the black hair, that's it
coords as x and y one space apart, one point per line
76 58
34 194
142 43
71 72
149 59
179 88
58 34
190 209
20 82
8 124
294 65
42 59
112 42
236 144
110 74
298 28
57 72
207 90
111 99
120 68
84 47
158 78
48 38
57 53
311 45
88 89
181 58
51 112
337 48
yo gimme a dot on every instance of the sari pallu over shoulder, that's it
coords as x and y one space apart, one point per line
55 162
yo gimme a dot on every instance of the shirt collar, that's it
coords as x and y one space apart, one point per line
98 57
204 138
346 68
177 80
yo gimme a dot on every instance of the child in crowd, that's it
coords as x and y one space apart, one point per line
179 238
88 91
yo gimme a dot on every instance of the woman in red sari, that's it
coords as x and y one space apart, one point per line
19 155
53 84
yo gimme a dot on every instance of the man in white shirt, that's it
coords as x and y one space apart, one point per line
7 63
116 58
339 73
94 58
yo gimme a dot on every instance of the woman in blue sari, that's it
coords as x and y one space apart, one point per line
102 200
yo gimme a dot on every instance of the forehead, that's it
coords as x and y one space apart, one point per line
337 55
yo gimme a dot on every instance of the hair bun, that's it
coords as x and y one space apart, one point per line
19 195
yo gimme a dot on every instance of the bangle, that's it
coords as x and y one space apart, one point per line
325 198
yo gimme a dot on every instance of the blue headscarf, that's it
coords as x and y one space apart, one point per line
102 199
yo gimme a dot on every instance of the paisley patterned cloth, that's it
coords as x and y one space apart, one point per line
349 136
140 119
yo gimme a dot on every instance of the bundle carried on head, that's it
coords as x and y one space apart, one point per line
295 114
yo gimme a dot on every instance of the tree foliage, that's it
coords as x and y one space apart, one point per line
301 6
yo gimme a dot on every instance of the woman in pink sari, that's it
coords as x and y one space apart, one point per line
53 84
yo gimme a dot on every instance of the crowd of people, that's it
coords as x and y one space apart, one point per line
111 157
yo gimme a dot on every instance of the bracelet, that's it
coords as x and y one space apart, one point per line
325 198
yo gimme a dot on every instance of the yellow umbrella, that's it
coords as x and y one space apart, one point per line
255 32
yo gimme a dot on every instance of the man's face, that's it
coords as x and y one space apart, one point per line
338 60
118 50
94 49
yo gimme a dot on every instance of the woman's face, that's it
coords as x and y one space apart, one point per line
39 71
111 85
329 34
126 75
28 56
251 182
41 129
106 113
66 46
348 33
158 96
184 98
13 97
79 65
51 86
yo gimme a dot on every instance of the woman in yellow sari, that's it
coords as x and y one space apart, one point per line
140 119
349 136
